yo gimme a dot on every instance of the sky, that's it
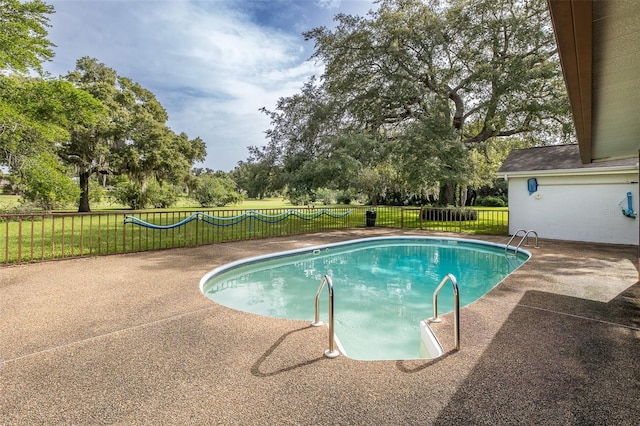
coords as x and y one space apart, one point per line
211 64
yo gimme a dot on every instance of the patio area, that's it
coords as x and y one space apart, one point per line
129 339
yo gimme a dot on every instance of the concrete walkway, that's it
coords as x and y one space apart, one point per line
131 340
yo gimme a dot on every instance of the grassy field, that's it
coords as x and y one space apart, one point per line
10 201
42 236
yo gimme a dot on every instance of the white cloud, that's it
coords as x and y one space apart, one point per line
209 63
329 4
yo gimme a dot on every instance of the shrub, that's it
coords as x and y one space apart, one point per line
452 214
159 196
130 194
216 191
45 182
297 197
326 196
343 198
491 201
96 192
9 187
23 207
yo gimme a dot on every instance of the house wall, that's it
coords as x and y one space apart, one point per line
575 208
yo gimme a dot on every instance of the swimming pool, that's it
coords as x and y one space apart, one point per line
383 287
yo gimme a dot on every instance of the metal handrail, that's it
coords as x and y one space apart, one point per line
512 238
456 307
331 352
524 237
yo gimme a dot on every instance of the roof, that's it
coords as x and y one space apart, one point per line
555 157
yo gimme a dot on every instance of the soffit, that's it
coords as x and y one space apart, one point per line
599 47
616 79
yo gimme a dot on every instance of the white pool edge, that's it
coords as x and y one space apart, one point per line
249 260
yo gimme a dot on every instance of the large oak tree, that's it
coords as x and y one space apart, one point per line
133 139
428 81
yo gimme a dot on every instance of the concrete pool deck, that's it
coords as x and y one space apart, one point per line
129 339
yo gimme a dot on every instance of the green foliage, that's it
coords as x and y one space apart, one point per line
497 188
428 153
97 192
215 190
160 196
417 98
130 194
326 196
487 157
491 201
23 35
22 207
133 139
297 197
259 176
348 196
47 183
377 182
9 186
37 115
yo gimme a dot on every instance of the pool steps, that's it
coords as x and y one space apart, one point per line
430 347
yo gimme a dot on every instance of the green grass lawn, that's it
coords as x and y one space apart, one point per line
41 236
185 203
8 202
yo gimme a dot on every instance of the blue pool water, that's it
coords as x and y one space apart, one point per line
383 287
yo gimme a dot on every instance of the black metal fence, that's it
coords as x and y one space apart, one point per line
47 236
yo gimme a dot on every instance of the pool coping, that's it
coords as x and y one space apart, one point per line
255 259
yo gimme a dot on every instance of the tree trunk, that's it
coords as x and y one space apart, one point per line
463 195
84 191
447 194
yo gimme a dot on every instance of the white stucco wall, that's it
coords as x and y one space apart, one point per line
583 207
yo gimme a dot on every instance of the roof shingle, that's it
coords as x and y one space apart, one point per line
554 157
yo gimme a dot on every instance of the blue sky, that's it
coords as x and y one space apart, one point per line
212 64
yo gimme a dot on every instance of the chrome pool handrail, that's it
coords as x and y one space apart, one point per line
524 238
456 307
331 352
